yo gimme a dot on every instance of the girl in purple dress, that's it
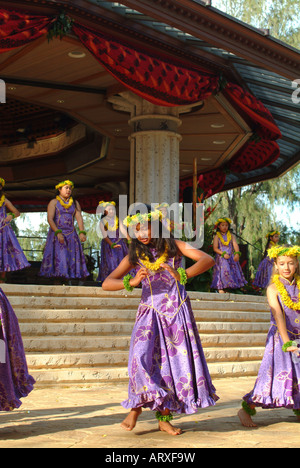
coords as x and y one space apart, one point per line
15 381
277 385
227 272
12 257
63 255
167 368
113 248
264 271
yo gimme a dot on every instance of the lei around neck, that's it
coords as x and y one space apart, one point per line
65 205
285 295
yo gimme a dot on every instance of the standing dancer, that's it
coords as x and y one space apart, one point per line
113 248
264 271
227 272
277 385
15 381
63 255
167 368
12 257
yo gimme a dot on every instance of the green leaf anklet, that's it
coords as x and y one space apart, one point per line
248 409
166 418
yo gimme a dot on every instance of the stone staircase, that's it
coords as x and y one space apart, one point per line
81 335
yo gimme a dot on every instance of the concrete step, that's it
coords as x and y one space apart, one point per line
120 358
115 315
93 375
95 343
12 290
125 328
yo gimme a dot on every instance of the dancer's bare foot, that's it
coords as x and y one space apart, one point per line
129 422
165 426
221 291
246 419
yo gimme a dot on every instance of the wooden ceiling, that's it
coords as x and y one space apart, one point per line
60 81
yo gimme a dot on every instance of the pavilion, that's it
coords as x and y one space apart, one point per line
123 98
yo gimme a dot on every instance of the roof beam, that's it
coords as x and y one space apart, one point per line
223 31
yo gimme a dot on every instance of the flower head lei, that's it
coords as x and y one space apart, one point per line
272 233
140 218
2 182
104 204
279 251
63 183
222 220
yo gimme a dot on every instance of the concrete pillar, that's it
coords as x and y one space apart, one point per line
154 149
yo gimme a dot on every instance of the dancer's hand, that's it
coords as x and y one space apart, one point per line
60 238
82 237
117 246
236 258
226 256
141 274
171 270
294 349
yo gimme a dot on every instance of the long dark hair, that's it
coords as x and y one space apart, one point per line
165 239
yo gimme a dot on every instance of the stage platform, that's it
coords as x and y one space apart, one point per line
80 335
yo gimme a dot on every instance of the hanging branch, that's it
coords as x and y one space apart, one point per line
61 26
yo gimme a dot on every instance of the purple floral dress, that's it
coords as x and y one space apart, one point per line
15 382
167 367
111 258
278 380
64 260
227 274
12 257
264 272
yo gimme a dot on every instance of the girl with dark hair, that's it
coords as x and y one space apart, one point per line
113 247
63 255
264 271
227 272
12 257
167 368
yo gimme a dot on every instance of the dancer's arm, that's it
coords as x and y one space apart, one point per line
79 219
114 281
272 295
10 208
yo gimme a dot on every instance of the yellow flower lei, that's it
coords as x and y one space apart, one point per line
114 227
222 240
2 200
157 264
65 205
285 295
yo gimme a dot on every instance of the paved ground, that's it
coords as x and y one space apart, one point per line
90 417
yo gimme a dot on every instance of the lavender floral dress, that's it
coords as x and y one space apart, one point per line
15 381
12 257
111 258
64 260
227 274
264 272
167 367
278 379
